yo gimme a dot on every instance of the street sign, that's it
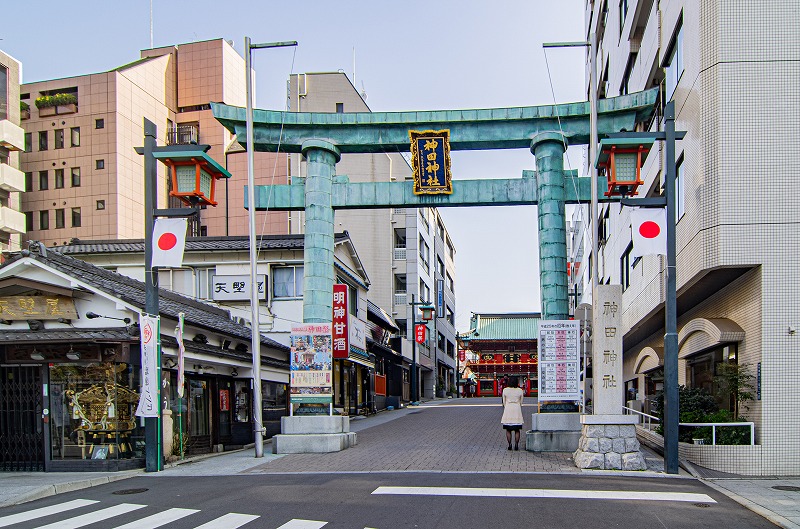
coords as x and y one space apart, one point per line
421 333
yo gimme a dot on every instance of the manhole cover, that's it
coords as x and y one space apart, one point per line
703 505
790 488
129 491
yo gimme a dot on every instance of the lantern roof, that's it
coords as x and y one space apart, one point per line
197 154
606 144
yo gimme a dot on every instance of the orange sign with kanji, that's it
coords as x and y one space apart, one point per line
421 332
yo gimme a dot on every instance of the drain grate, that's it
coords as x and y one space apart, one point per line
790 488
129 491
703 505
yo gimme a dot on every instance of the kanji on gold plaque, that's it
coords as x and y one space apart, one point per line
430 160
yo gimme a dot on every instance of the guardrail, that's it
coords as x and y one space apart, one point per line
714 426
647 420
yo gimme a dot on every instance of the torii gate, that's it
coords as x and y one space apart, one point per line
324 137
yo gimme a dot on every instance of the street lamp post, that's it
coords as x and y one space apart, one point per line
414 382
255 334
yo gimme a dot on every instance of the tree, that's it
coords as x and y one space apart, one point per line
737 383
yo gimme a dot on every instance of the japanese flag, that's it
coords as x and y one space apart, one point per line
169 239
649 226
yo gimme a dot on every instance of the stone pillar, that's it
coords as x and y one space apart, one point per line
321 157
549 147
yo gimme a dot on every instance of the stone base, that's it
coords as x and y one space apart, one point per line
305 424
312 443
609 447
552 441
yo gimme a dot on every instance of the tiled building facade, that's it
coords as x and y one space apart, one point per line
12 141
731 68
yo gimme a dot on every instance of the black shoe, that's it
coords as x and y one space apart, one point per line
516 447
509 447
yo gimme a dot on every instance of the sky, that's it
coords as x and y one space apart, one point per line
409 55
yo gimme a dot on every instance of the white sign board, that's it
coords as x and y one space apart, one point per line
236 287
607 392
358 333
559 360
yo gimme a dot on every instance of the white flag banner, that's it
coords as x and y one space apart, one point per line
649 227
181 352
148 399
169 240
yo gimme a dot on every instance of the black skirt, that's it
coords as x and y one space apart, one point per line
512 427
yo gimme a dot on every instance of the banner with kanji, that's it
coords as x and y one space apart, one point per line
340 331
430 161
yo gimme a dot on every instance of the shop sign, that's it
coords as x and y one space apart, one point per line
224 400
462 355
440 298
430 161
14 308
358 333
311 378
420 333
150 337
225 288
341 333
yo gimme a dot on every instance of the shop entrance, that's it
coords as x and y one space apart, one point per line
21 423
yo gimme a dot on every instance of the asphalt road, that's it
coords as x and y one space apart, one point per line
349 500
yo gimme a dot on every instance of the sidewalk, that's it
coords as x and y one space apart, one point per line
394 447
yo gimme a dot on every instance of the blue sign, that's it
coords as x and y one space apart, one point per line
440 298
430 160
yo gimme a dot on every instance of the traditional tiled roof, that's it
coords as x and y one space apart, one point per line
512 326
382 317
197 313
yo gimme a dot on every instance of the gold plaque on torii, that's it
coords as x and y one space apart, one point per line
13 308
430 161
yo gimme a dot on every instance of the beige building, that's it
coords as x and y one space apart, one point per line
731 68
12 140
83 177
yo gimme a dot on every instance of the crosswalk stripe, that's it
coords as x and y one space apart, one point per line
5 521
546 493
303 524
157 520
93 517
229 521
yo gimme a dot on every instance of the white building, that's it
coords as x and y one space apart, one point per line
731 68
12 141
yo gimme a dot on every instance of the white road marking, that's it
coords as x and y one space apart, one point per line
157 520
229 521
546 493
94 517
5 521
303 524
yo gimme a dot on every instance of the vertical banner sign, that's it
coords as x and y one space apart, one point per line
559 360
420 332
430 161
440 298
607 390
311 378
462 355
341 334
181 353
148 401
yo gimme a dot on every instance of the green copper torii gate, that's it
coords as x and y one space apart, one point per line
324 137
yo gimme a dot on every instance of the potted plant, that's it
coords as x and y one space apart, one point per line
24 110
440 387
61 103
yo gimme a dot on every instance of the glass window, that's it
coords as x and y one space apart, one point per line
450 283
424 253
58 182
59 138
625 267
75 176
101 204
59 218
99 164
424 291
440 229
440 266
99 124
75 136
44 220
43 181
3 92
29 221
680 202
43 140
623 12
287 282
76 217
29 181
674 66
28 141
339 108
423 216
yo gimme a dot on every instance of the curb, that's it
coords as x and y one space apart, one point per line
756 508
70 486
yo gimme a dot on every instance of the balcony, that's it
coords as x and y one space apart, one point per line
12 136
11 221
11 179
400 299
399 254
183 135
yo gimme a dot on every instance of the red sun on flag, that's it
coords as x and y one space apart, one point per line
649 229
167 241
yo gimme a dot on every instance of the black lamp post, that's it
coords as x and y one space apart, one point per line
427 310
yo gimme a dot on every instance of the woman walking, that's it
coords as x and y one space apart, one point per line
512 411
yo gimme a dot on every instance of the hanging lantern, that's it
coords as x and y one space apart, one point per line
622 160
427 312
193 174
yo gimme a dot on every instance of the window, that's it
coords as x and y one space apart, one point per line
450 284
99 164
203 230
59 138
680 202
75 176
440 229
441 342
59 218
3 92
28 141
339 108
450 250
451 317
44 220
29 221
440 266
101 204
29 181
59 179
424 218
287 282
99 123
43 181
424 253
76 217
625 267
674 65
424 291
624 87
43 140
75 137
623 12
352 296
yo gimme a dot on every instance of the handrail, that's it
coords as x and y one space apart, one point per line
650 418
714 425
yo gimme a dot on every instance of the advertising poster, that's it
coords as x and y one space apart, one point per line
312 377
559 360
